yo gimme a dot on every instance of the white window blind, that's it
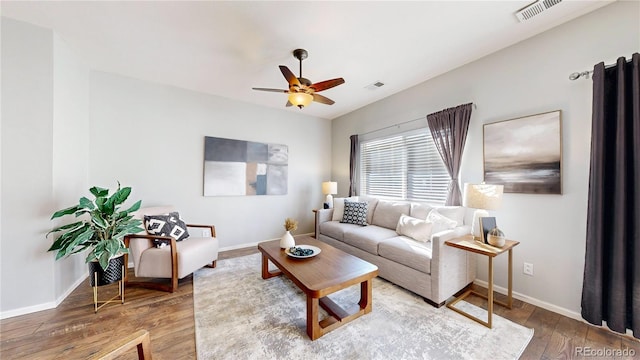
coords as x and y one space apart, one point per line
403 166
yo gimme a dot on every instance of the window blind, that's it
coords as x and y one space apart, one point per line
403 166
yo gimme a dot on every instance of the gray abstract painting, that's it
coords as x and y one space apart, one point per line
238 167
525 154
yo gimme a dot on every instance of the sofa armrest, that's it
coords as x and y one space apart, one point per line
322 215
451 269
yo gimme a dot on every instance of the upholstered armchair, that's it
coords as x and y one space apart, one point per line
157 256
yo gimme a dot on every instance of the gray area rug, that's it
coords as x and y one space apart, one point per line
238 315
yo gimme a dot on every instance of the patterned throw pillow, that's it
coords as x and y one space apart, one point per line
166 225
355 212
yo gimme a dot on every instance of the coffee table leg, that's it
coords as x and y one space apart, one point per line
365 296
266 274
313 326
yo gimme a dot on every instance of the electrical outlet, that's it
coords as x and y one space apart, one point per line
528 269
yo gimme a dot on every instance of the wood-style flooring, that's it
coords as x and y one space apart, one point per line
73 331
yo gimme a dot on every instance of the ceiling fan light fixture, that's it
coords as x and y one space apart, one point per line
300 99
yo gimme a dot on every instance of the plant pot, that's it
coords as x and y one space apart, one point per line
112 274
286 241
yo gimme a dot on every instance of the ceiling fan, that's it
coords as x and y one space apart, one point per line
301 90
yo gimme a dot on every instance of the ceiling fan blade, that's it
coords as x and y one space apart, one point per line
322 99
272 90
327 84
291 79
289 103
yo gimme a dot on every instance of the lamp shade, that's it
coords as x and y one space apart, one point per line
482 196
300 99
329 187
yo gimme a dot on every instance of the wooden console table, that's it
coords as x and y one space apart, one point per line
467 243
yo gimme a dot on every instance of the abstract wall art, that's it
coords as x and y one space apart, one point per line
238 167
525 154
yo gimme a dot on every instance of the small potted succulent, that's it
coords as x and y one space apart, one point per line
101 230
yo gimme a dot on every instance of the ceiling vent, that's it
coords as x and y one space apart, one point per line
374 86
535 8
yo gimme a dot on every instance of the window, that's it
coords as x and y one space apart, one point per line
403 166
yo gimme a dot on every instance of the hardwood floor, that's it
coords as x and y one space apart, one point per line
73 331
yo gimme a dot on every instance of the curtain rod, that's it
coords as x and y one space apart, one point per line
403 123
585 74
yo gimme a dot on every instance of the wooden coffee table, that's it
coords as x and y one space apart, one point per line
330 271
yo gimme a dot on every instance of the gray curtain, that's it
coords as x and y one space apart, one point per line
353 165
449 130
611 283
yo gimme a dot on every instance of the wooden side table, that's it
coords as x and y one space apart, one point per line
467 243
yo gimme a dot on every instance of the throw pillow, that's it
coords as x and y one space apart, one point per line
355 212
440 222
416 229
165 225
338 207
455 213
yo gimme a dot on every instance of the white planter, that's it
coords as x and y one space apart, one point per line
286 241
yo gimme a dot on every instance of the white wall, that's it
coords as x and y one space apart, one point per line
70 151
45 136
527 78
151 137
27 105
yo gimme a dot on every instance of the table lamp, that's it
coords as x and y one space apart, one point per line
481 197
329 188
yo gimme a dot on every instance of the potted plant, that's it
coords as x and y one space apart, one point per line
287 241
101 231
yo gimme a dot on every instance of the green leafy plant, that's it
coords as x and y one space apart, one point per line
103 228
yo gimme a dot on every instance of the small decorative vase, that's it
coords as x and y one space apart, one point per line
495 237
286 241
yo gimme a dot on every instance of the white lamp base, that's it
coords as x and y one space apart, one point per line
475 226
329 200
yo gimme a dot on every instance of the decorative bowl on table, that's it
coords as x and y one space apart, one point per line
302 251
496 237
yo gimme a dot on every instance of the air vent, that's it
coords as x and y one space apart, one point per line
535 8
374 86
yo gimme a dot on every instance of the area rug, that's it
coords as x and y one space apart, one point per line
238 315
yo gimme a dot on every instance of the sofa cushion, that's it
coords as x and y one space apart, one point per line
388 212
193 253
440 222
420 211
336 229
416 229
338 207
367 238
371 206
455 213
403 250
355 212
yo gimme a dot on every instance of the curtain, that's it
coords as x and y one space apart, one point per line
611 283
353 165
449 131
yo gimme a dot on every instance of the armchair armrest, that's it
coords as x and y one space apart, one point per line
212 228
137 252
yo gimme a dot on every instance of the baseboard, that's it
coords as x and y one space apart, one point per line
44 306
244 246
533 301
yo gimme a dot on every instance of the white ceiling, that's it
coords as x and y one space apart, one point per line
226 48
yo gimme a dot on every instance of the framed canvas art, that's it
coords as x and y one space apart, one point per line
525 154
238 167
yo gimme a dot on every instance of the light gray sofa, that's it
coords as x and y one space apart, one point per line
430 269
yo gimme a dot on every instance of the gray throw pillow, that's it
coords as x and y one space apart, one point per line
355 212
